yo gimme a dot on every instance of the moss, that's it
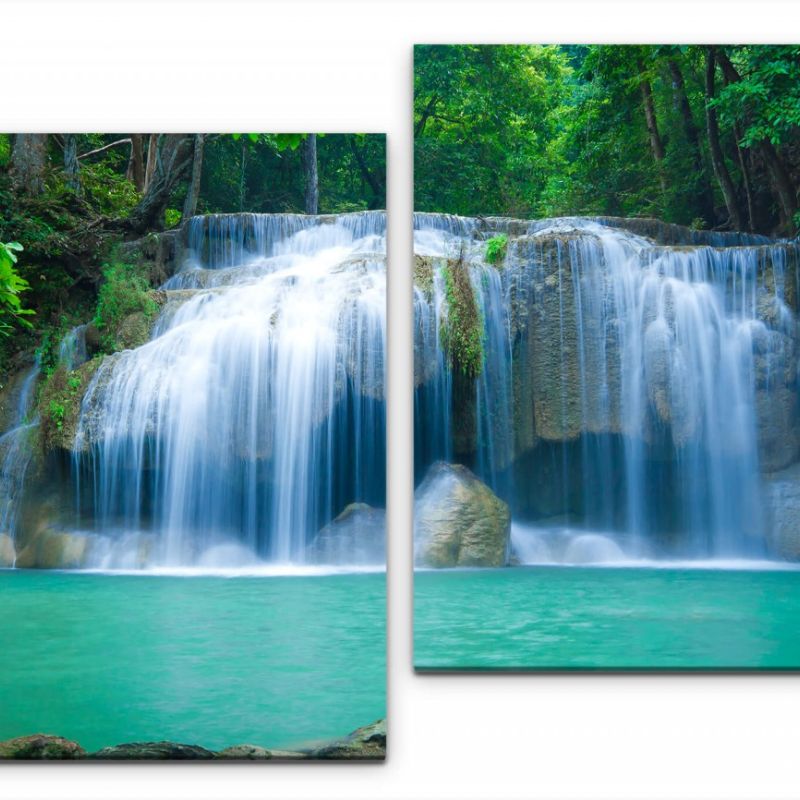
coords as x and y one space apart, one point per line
125 294
60 404
462 328
423 274
496 249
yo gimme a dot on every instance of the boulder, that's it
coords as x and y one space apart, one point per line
252 752
41 747
367 743
356 536
7 551
459 521
153 751
54 549
781 498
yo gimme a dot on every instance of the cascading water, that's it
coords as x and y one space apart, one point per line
630 391
256 412
16 453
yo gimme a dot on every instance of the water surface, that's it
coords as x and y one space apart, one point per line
215 661
607 618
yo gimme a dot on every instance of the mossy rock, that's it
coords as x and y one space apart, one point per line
40 747
462 328
459 521
423 274
60 404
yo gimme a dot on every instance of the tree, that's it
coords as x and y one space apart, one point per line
28 162
136 164
692 134
172 160
717 157
193 192
71 164
780 180
656 145
311 174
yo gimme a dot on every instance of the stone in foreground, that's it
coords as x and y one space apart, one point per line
153 751
459 521
367 743
356 536
252 752
41 747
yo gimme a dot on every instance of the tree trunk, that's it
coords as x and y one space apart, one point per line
28 162
193 193
717 158
780 181
656 145
693 138
136 163
150 165
72 166
375 184
746 179
172 160
311 173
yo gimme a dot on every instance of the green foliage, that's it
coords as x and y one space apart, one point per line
69 230
462 328
5 149
11 286
264 173
60 398
124 291
496 248
57 411
484 117
769 93
172 217
58 405
107 189
541 131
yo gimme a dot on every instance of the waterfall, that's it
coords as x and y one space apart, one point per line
16 452
637 379
256 411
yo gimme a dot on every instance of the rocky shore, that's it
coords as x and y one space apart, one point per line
363 744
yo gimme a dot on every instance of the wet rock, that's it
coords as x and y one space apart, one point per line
567 364
153 751
367 743
41 747
252 752
459 521
356 536
53 549
777 427
668 233
7 551
781 499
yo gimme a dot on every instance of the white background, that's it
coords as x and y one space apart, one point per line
346 66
